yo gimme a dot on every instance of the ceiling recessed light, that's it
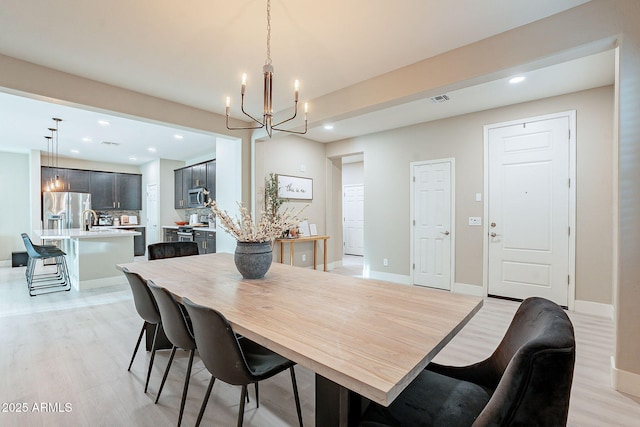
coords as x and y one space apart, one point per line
86 139
328 127
75 151
153 150
517 79
103 122
178 136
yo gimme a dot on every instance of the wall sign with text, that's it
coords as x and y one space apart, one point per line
295 187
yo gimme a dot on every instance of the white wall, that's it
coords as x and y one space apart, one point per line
228 186
14 203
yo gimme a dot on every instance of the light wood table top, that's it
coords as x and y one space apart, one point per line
368 336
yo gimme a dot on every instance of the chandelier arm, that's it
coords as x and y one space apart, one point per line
293 131
295 113
242 127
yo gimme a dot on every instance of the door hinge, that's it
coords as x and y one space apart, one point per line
414 178
569 231
414 222
569 182
569 134
414 266
568 279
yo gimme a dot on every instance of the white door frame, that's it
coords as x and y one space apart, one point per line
452 185
571 290
344 188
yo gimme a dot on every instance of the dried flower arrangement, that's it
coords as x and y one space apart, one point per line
266 229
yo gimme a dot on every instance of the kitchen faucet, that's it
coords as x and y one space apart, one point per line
95 218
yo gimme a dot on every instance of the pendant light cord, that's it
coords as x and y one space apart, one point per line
268 61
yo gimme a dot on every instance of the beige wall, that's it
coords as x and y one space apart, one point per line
288 156
387 174
14 202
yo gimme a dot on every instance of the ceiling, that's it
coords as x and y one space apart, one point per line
194 52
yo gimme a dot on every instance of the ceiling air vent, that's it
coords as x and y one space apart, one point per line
110 143
439 99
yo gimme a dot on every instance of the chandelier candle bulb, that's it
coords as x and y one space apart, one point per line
244 83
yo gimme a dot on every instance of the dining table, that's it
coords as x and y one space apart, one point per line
364 339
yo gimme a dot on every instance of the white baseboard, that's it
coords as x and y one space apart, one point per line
594 309
390 277
466 289
5 263
97 283
331 265
624 381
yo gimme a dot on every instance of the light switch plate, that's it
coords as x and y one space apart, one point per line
475 220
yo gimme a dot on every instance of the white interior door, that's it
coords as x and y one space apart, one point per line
353 232
528 212
432 221
153 214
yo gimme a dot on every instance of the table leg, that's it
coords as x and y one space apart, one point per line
314 254
325 254
336 405
281 252
291 245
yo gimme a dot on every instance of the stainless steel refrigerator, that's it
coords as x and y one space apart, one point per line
61 210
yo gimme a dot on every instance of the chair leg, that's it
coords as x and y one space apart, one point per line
153 356
295 395
137 345
241 410
166 372
205 401
186 386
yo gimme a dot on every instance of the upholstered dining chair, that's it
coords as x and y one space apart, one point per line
232 359
171 250
177 328
525 382
147 309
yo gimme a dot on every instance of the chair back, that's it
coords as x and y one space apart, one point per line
218 345
143 298
31 250
174 322
171 250
534 365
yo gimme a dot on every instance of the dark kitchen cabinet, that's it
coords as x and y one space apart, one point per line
170 235
206 241
139 242
199 175
75 180
120 191
211 179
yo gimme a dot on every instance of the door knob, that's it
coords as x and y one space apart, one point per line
446 233
493 224
493 234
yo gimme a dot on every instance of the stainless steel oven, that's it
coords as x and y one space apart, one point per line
185 234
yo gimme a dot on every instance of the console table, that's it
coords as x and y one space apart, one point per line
293 241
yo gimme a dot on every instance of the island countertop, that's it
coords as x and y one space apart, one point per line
78 233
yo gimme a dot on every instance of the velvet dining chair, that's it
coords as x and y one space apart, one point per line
177 327
525 382
171 250
232 359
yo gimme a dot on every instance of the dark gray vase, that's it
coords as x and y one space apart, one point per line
253 259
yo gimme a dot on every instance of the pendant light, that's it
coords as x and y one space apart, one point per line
57 182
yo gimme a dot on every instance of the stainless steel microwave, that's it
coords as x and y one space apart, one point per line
196 197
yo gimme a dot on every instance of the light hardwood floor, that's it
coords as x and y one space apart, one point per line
70 350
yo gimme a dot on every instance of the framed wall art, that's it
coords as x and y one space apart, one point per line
295 187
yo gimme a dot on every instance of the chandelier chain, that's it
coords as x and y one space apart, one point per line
268 61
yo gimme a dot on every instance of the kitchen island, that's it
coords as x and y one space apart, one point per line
92 255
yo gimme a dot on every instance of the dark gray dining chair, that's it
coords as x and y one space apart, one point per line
177 328
232 359
147 309
525 382
171 250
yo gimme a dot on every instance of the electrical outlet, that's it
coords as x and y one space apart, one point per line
385 262
475 220
304 257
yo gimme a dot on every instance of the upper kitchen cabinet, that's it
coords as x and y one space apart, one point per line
198 175
75 180
120 191
194 176
211 179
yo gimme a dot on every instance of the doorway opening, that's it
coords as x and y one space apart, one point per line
353 193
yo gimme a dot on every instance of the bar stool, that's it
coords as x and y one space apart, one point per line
47 282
